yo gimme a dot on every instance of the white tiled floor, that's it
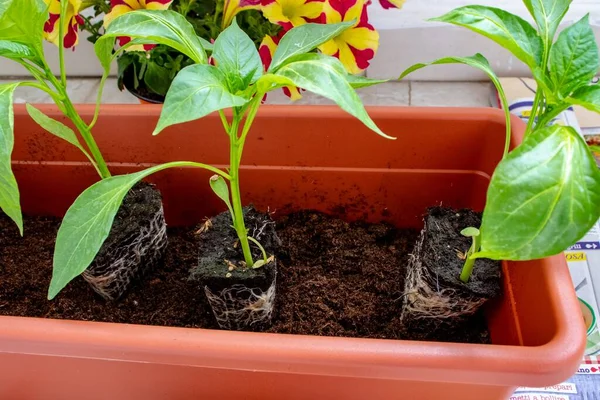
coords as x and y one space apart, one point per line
451 94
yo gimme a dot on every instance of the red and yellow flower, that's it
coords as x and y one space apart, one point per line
357 45
120 7
266 50
71 24
291 13
232 7
387 4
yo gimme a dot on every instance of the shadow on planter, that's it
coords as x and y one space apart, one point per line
296 158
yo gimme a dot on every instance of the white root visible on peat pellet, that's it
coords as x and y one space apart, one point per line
240 307
423 298
111 280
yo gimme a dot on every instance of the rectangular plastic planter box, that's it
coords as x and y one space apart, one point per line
295 158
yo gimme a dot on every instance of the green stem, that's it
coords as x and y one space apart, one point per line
81 126
98 100
224 121
234 183
248 123
470 261
550 115
534 109
64 4
55 96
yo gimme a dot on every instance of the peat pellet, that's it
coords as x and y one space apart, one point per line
241 298
135 245
436 302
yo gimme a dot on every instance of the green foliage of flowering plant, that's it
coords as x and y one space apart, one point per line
545 194
238 82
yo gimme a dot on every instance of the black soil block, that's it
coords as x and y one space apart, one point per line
334 279
241 298
135 245
437 302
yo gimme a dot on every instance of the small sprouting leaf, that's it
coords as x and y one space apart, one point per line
196 91
357 81
237 57
508 30
304 38
162 27
542 198
53 126
23 22
470 232
547 15
326 77
574 57
219 186
586 96
9 191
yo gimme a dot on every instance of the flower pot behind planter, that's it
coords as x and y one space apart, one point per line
296 158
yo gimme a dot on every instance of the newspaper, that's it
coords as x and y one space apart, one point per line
583 258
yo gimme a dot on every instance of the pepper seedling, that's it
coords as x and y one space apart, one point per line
544 195
238 82
21 38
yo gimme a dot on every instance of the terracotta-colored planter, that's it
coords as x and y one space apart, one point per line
296 157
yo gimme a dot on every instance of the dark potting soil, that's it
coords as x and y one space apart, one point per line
335 279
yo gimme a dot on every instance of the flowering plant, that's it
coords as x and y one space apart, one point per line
265 22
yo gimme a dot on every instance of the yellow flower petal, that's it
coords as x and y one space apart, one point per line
115 12
329 48
361 38
347 58
311 9
135 4
355 11
274 13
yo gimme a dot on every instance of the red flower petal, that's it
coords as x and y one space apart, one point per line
342 6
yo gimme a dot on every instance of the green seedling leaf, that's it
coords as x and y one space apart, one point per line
237 58
358 82
587 96
219 186
542 198
325 76
88 221
9 191
574 57
23 22
162 27
547 15
196 91
53 126
470 232
305 38
480 62
508 30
